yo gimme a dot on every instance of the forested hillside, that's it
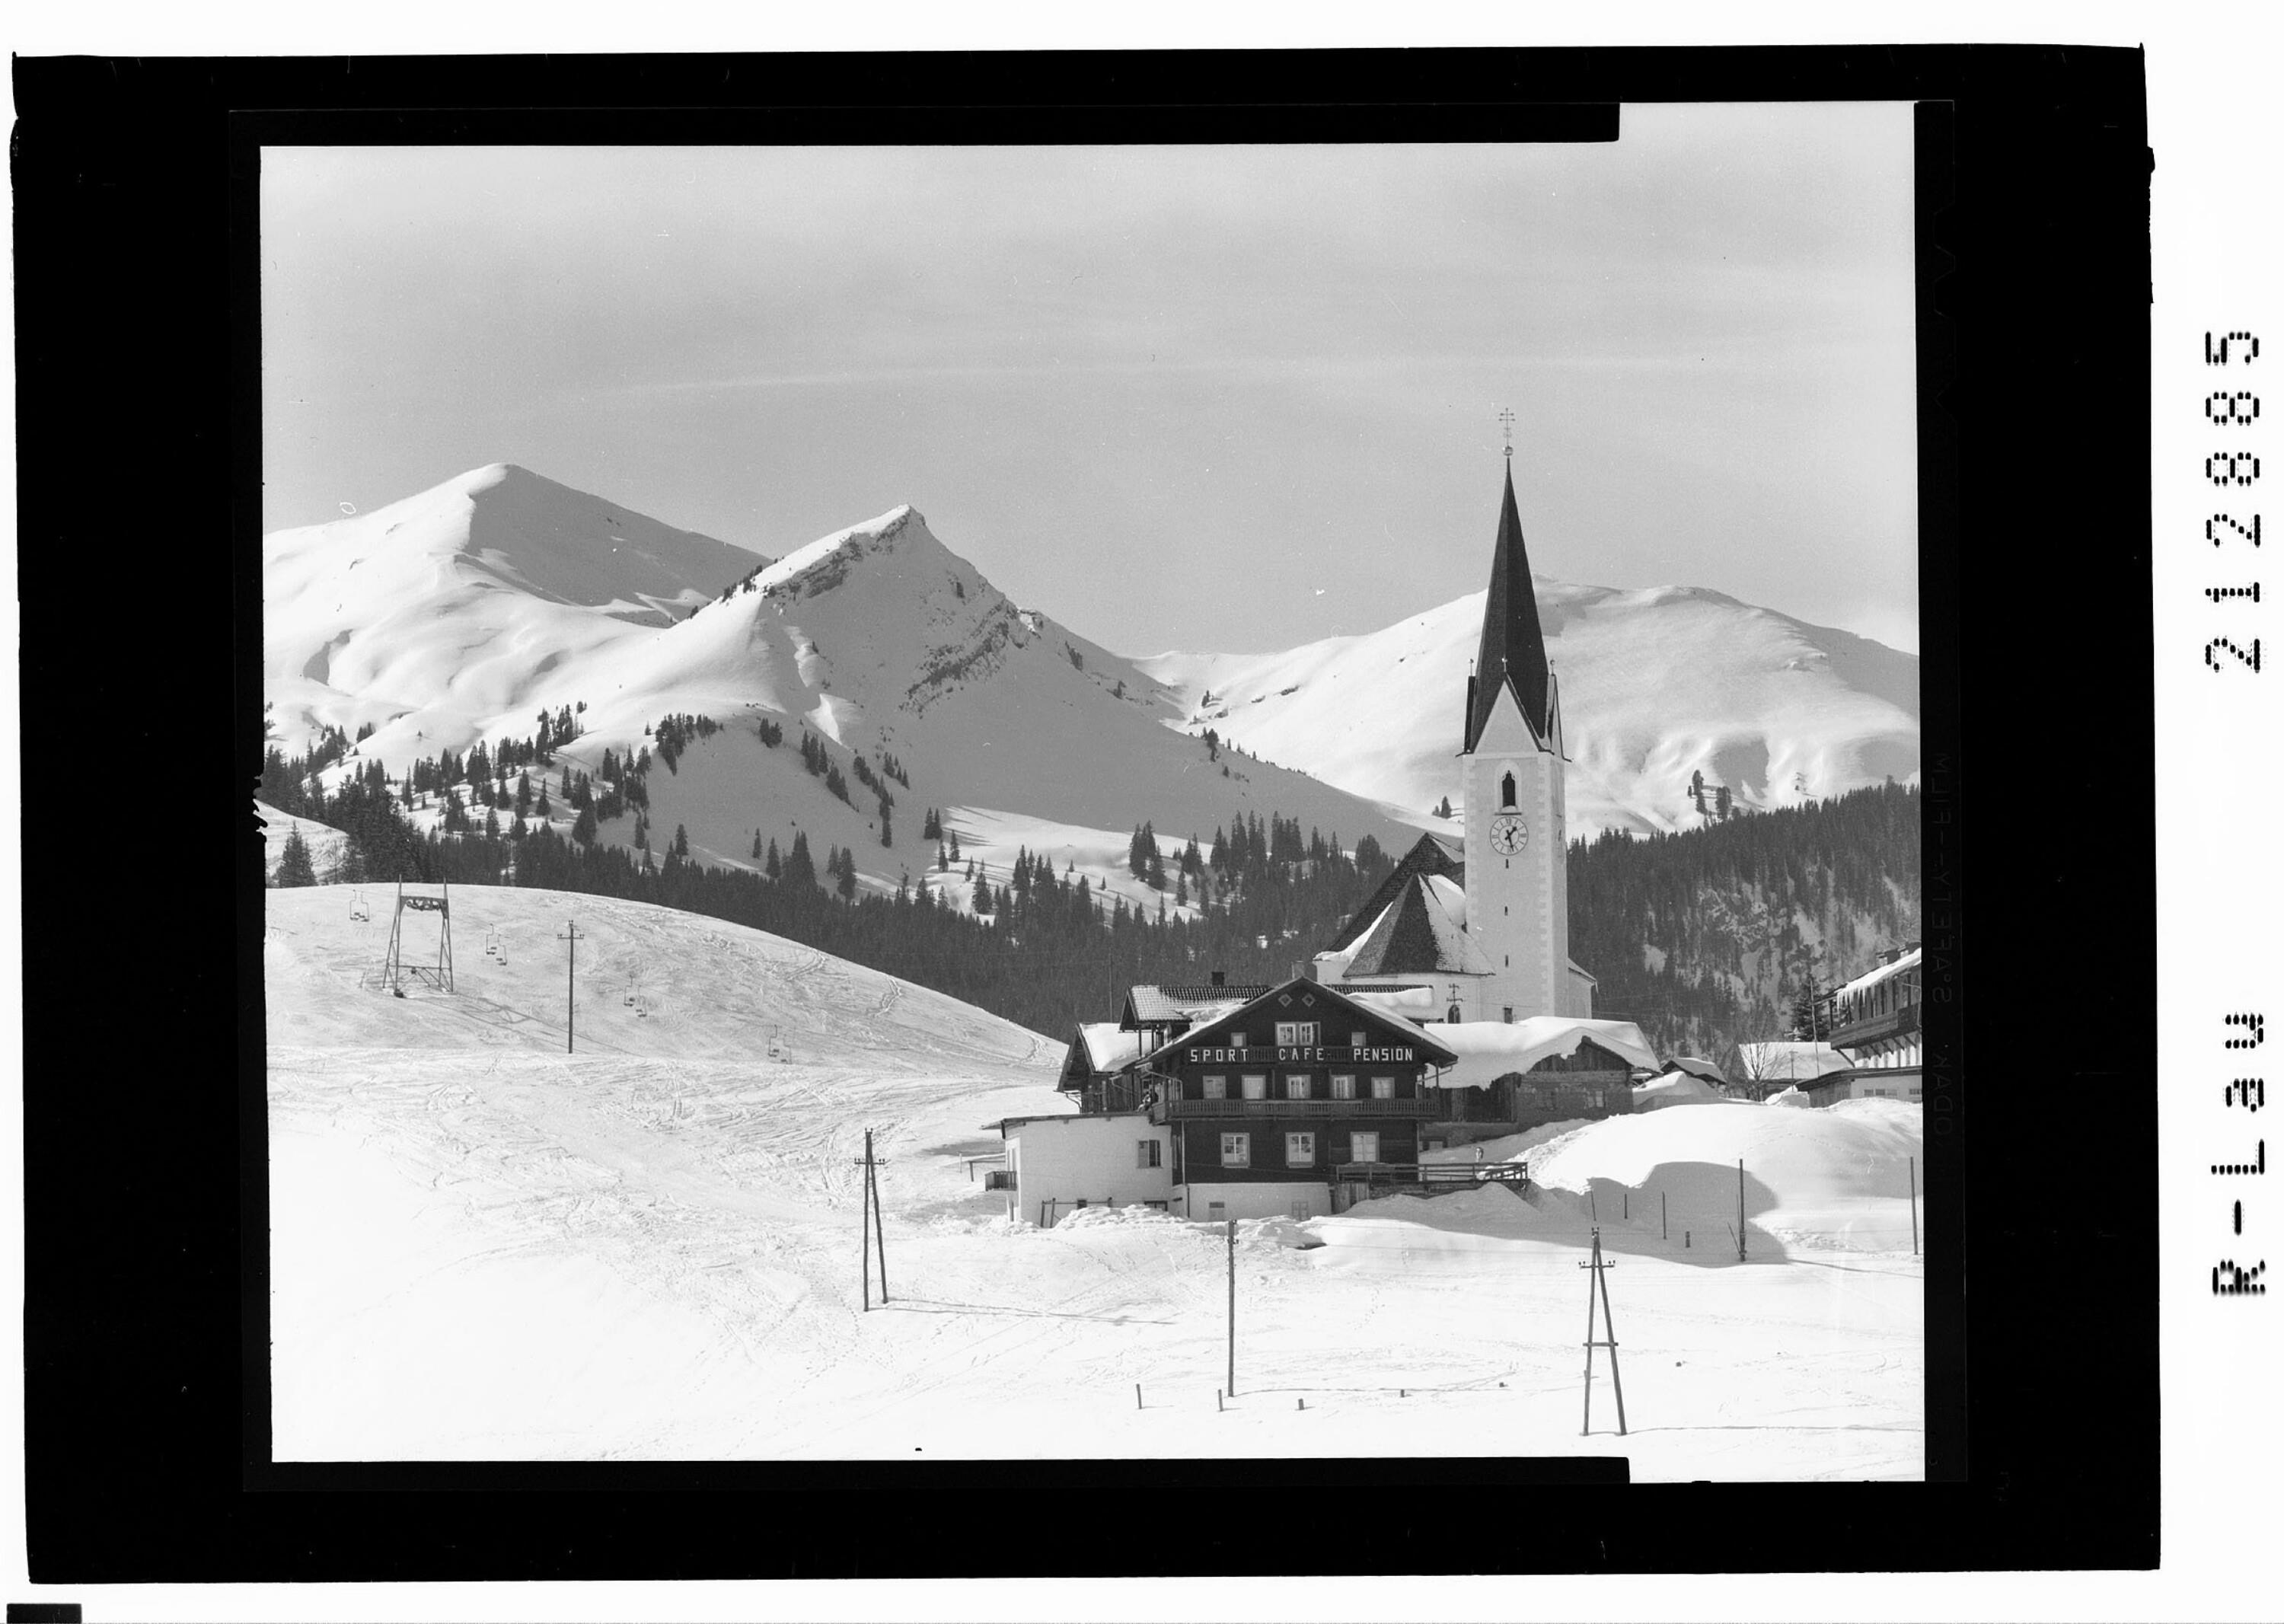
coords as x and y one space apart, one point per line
1704 937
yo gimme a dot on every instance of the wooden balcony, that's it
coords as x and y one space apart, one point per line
1857 1033
1297 1110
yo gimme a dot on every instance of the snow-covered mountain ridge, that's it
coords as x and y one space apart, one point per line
1657 684
877 639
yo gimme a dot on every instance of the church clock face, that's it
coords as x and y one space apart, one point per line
1509 834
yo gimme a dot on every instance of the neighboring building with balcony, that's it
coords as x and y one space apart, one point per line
1875 1018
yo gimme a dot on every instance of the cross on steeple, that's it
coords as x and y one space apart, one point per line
1506 422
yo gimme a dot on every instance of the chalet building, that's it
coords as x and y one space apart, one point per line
1272 1106
1876 1025
1097 1067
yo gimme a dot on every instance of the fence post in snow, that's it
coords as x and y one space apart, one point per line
1233 1309
1912 1166
1740 1209
1661 1235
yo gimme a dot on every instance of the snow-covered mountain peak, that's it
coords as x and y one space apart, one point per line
825 562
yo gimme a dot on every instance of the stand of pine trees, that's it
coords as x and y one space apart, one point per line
1701 938
1743 915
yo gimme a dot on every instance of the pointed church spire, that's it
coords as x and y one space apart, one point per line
1514 651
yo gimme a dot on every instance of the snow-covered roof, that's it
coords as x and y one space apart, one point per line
1488 1050
1790 1059
1908 960
1696 1065
1106 1046
1407 1001
1327 1002
1791 1095
1677 1089
1417 935
1156 1004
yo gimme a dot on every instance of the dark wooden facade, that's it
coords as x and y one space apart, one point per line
1299 1060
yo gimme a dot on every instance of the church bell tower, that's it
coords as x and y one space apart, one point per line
1511 779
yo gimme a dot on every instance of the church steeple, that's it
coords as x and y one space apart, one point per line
1514 651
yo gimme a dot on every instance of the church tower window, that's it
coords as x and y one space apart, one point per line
1506 792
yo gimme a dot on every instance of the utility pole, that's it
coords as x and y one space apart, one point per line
1232 1307
1912 1167
870 1228
1598 1278
879 1230
571 989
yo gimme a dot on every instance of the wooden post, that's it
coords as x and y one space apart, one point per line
1231 1388
1912 1166
1594 1281
1617 1385
879 1239
1626 1205
570 983
1740 1209
865 1223
1661 1234
1586 1410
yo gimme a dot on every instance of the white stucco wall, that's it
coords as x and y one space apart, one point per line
1067 1159
1250 1200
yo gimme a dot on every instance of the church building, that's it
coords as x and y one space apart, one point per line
1447 1009
1491 928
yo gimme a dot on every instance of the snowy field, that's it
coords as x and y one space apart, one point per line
485 1248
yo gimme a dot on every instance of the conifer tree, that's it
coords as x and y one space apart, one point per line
847 885
800 867
772 865
983 899
583 828
888 833
294 865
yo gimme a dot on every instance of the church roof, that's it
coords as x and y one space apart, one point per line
1428 855
1513 651
1417 936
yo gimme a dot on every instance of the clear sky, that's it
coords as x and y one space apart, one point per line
1228 398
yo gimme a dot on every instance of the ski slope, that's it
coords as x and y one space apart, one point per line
484 1247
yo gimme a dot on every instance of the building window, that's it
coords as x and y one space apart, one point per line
1506 789
1236 1151
1296 1033
1256 1084
1364 1146
1343 1085
1237 1040
1507 1014
1146 1152
1217 1087
1297 1086
1383 1087
1215 1209
1300 1150
1356 1039
1452 1015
